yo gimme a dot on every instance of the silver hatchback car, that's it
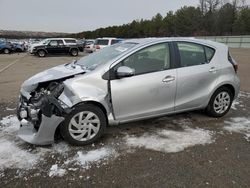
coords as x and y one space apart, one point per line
133 80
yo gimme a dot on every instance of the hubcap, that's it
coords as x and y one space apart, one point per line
84 126
41 53
222 102
6 51
74 53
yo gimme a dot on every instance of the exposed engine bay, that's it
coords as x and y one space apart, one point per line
44 100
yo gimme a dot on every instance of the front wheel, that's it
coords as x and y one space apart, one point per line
220 103
84 125
41 53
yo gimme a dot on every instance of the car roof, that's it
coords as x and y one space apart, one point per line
107 38
145 41
60 39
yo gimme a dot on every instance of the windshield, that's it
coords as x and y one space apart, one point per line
45 41
105 55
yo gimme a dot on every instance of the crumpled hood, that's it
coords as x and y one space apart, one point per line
55 73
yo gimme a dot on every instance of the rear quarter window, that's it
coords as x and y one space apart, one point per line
209 53
70 41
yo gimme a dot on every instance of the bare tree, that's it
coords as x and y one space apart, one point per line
203 6
208 5
212 4
236 3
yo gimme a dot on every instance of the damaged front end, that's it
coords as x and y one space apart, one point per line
41 114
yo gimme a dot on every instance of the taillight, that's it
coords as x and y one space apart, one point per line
97 47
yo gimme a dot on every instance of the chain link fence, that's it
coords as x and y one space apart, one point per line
230 41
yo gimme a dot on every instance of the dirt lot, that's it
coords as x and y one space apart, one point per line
184 150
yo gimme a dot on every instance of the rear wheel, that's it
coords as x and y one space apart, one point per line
220 103
41 53
84 125
74 52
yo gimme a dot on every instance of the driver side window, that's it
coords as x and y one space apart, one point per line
150 59
53 43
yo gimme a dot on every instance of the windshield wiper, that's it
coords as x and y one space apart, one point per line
72 64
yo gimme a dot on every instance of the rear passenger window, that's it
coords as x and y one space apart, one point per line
115 41
60 42
102 42
209 53
191 54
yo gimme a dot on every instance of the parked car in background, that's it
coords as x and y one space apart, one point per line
33 41
56 46
18 46
89 46
129 81
104 42
32 45
81 43
6 47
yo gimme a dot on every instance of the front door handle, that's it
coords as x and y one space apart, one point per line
213 69
168 79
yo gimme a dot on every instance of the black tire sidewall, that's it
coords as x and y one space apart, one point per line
8 51
64 129
210 108
38 53
72 52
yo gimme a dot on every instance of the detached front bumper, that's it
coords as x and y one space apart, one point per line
44 135
36 126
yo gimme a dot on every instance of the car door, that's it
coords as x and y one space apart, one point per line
151 91
61 47
196 76
52 47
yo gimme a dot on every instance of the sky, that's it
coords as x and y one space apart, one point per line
80 15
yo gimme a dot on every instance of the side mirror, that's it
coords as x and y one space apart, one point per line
125 71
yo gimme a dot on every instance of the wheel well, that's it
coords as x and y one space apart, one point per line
57 134
41 50
96 104
74 49
230 87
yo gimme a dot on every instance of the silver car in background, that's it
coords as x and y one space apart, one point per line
129 81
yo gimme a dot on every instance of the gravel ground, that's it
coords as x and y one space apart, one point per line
184 150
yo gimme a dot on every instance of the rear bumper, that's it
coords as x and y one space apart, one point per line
44 135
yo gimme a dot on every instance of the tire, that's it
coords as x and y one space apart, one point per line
220 102
41 53
74 52
6 51
84 133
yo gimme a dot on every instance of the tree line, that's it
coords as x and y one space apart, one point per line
210 17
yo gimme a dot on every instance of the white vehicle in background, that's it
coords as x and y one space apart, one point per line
31 45
104 42
89 46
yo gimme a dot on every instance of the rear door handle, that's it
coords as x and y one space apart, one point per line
213 69
168 79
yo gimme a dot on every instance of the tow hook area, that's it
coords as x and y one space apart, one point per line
45 134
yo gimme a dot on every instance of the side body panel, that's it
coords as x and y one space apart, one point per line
194 85
143 95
